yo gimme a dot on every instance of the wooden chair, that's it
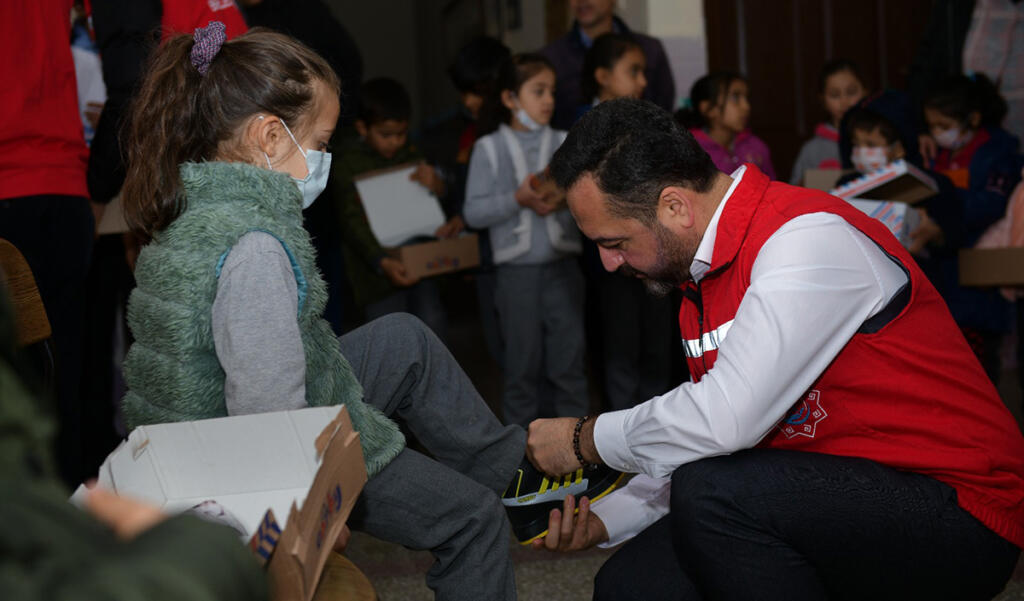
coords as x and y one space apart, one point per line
31 324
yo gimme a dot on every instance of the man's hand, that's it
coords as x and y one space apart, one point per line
426 176
126 517
568 532
530 198
453 227
395 271
549 445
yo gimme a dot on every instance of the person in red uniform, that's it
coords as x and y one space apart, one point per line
839 439
44 206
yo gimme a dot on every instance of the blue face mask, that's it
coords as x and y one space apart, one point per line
318 168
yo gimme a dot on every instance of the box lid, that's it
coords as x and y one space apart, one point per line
897 181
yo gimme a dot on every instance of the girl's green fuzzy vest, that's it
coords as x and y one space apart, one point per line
171 370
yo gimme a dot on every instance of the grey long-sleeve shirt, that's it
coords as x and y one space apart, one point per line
256 328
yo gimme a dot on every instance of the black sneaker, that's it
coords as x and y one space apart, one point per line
531 495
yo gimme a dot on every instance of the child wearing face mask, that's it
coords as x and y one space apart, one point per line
539 292
717 113
841 87
963 114
225 144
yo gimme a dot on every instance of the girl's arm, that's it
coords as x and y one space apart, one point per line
485 205
256 328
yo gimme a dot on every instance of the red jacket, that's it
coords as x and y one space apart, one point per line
184 16
42 150
906 391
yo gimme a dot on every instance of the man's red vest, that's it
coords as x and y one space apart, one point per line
906 390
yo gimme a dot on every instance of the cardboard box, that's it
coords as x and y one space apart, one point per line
822 179
439 256
899 217
992 266
899 181
398 208
303 467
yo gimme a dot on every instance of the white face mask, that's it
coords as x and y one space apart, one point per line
526 120
950 138
869 158
318 168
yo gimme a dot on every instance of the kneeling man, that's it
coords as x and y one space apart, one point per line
838 440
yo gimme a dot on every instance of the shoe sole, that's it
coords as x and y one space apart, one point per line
544 520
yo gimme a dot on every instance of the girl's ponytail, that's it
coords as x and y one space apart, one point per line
159 135
180 114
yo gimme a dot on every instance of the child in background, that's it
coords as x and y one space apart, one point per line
841 87
612 68
963 115
380 283
226 144
535 241
717 114
637 328
447 143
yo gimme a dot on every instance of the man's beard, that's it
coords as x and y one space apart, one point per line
672 266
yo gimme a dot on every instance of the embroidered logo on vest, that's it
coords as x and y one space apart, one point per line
804 421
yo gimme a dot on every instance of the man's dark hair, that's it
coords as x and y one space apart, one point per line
633 149
383 99
475 68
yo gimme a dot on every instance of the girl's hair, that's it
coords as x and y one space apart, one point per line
960 95
604 53
712 87
179 115
514 72
837 66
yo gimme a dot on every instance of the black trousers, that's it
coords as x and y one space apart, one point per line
55 234
770 524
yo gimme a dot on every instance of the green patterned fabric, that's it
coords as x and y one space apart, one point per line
171 370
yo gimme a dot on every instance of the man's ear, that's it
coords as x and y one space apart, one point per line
361 128
675 206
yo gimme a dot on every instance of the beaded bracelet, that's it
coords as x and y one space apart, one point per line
576 443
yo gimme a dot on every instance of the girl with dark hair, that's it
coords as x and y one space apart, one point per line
717 114
539 291
841 87
613 68
227 142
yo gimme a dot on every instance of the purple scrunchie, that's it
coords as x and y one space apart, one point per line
208 41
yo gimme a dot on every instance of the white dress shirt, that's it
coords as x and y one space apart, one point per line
813 284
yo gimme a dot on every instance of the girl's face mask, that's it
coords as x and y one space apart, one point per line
318 168
953 138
